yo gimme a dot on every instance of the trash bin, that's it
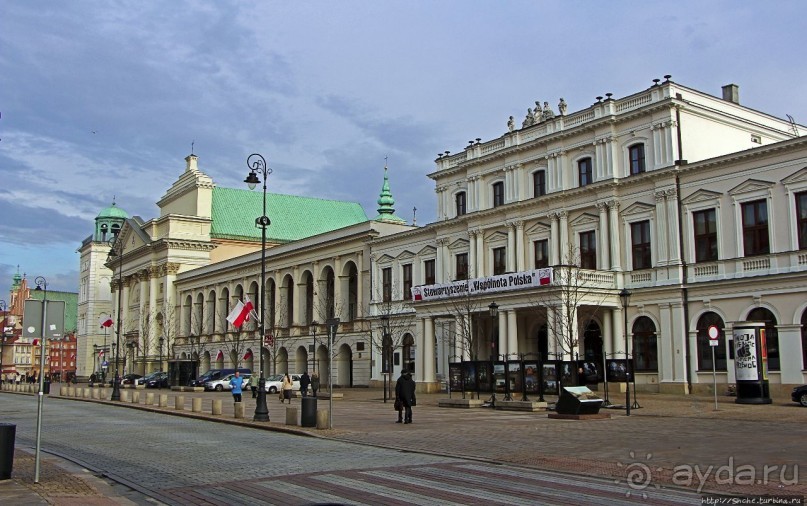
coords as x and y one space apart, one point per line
8 432
46 387
308 418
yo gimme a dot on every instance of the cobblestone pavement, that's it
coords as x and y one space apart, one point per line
671 440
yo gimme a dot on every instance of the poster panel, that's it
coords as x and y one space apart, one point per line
469 376
618 370
455 377
514 376
550 377
498 377
745 354
531 377
485 379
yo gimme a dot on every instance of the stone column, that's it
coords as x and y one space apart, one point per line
472 238
154 278
520 253
511 247
604 257
503 332
672 219
613 220
480 253
564 236
512 333
554 239
428 351
661 240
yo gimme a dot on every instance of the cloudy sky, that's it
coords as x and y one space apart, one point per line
103 99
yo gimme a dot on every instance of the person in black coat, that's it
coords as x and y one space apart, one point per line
305 380
405 391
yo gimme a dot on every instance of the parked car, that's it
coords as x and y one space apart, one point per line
800 395
129 379
274 383
222 384
144 379
214 374
157 380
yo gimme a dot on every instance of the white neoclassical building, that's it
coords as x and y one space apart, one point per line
693 204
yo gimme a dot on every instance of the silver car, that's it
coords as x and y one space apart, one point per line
222 384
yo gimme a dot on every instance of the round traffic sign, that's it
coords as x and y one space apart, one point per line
713 332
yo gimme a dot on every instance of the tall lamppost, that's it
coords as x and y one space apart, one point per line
625 296
104 350
4 308
386 354
257 165
494 314
112 254
314 352
41 284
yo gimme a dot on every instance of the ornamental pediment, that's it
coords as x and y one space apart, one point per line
427 251
459 244
752 185
638 208
702 196
385 259
406 255
800 176
585 219
497 236
538 228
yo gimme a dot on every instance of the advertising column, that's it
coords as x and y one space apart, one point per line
751 363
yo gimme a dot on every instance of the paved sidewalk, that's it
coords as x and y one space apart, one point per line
667 437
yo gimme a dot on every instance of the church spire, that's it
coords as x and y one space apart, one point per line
386 211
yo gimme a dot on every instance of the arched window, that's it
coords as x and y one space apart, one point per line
804 339
330 294
704 349
353 291
645 351
762 314
309 297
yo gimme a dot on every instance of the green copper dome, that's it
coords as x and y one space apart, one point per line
386 211
113 211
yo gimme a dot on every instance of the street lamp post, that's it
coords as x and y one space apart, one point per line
116 345
257 165
41 283
494 314
625 296
159 381
4 308
386 355
333 326
314 350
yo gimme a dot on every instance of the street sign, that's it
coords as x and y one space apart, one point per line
105 364
269 340
713 333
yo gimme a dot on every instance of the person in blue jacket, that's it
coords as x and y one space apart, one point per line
236 382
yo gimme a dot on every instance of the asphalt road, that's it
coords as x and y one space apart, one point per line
178 460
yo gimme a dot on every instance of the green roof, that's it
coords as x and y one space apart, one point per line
70 306
234 212
112 211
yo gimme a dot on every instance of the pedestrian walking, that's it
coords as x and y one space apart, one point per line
405 391
305 380
398 402
236 383
287 387
254 382
314 383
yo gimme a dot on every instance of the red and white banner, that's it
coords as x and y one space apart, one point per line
248 355
240 314
219 356
36 342
101 353
105 321
491 284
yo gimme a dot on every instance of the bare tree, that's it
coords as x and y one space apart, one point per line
571 303
468 328
168 327
145 334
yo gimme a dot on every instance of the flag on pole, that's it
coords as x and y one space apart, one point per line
105 321
36 342
101 353
220 355
248 355
240 314
73 356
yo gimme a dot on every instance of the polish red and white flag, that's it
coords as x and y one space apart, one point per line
105 321
101 353
36 342
240 314
219 355
248 355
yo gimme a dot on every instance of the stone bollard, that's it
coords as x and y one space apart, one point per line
149 398
125 396
238 409
291 416
96 393
196 404
323 416
87 393
216 407
71 391
163 400
179 402
63 391
135 397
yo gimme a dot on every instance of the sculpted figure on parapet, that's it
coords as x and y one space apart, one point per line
529 120
536 113
562 107
547 114
511 124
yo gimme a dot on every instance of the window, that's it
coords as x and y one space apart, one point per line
541 249
801 219
704 349
406 275
462 266
755 228
640 244
762 314
499 261
538 183
588 250
460 201
705 224
428 270
584 171
645 354
636 159
498 194
386 284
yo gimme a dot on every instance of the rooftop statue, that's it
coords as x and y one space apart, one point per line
511 124
548 114
562 107
529 120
